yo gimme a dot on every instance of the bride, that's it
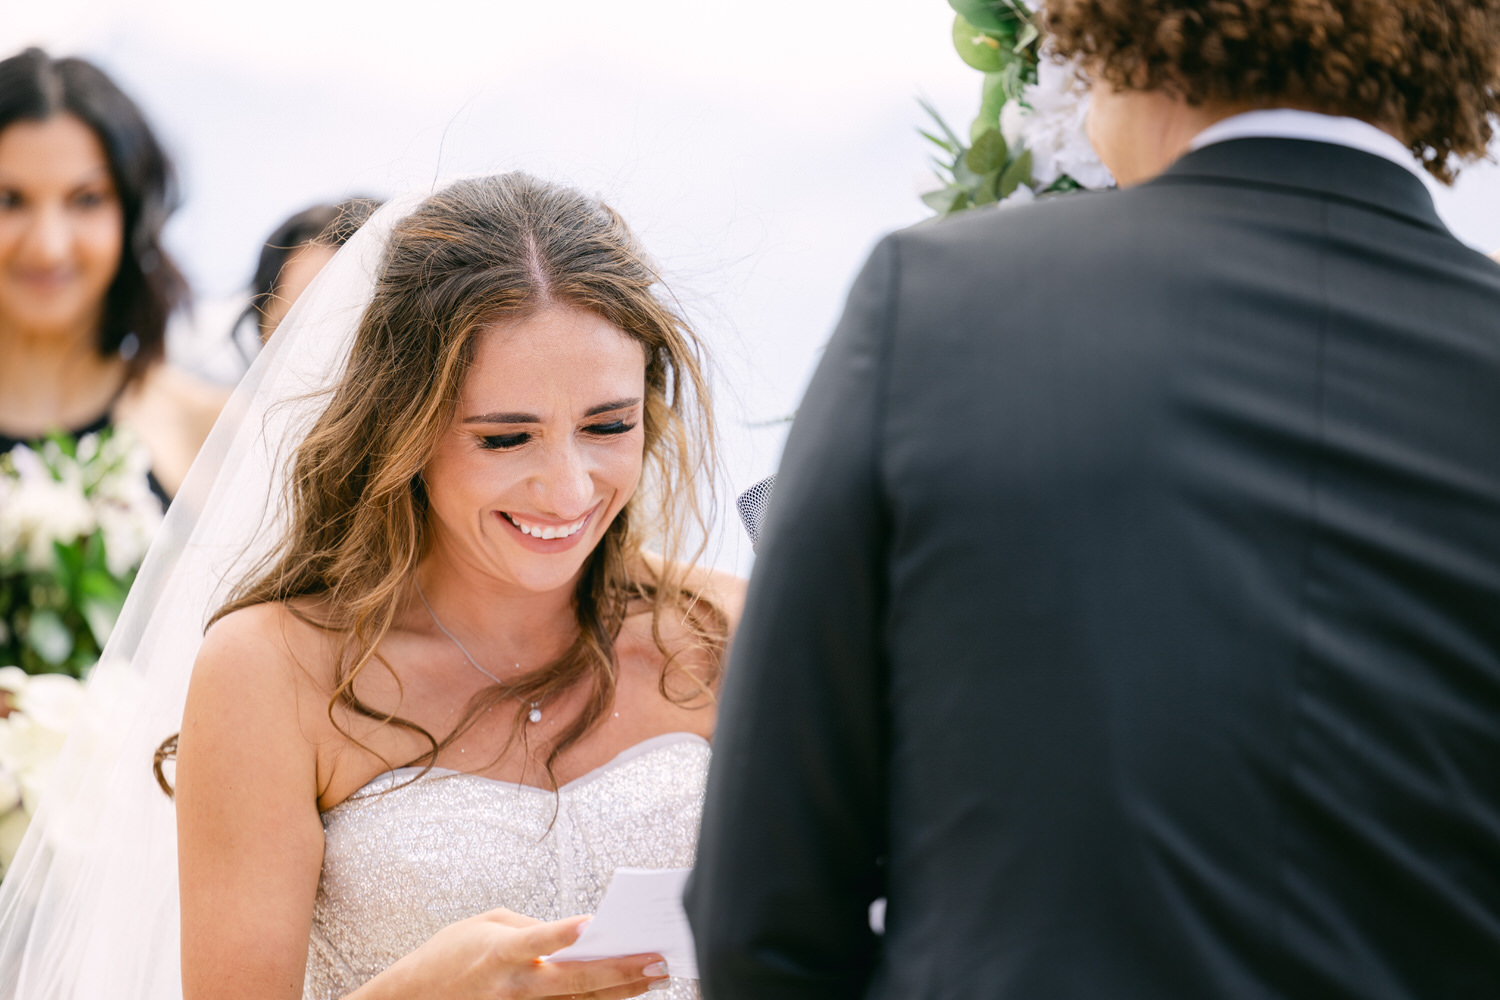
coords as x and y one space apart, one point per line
456 691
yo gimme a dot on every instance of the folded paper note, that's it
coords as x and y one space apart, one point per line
641 912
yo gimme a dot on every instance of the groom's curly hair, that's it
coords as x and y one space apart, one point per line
1427 70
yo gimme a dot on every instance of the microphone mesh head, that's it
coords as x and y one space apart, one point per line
752 506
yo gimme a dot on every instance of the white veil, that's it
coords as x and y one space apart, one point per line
89 908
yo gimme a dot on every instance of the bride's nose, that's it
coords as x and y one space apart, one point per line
563 485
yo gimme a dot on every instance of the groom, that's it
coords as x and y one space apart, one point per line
1128 614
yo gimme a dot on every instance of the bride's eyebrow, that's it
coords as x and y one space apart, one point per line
532 418
610 407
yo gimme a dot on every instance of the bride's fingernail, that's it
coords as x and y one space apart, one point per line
660 984
655 969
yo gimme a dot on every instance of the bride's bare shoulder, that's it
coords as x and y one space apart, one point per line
271 643
724 591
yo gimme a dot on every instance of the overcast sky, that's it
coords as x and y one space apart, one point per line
759 149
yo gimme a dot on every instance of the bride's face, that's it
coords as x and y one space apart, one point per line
544 450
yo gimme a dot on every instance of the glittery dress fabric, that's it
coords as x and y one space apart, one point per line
405 856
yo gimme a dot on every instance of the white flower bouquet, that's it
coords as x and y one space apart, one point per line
75 521
1028 138
40 711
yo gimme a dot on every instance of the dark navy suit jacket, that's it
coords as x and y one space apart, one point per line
1128 611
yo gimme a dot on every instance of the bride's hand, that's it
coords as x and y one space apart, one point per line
498 955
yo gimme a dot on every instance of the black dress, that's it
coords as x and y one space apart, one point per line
99 424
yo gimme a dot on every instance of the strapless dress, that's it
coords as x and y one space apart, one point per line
405 855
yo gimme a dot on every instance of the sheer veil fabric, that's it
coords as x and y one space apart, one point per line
89 908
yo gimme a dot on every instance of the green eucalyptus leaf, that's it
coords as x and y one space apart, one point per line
994 16
1013 81
953 139
994 95
48 637
942 144
100 615
93 552
941 201
985 193
66 443
965 178
988 154
976 48
1016 173
1026 37
98 585
69 562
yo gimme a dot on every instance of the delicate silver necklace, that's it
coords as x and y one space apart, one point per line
535 715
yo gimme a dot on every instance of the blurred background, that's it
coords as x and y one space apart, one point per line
758 150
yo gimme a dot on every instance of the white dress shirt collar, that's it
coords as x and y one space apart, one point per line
1287 123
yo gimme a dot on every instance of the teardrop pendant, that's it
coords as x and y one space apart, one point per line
535 715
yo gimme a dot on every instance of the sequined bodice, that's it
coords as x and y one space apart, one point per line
403 858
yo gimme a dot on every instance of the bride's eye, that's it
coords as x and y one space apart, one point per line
613 427
500 442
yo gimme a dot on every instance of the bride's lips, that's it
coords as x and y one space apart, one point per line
575 530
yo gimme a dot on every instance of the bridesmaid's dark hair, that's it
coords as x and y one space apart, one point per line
148 286
329 225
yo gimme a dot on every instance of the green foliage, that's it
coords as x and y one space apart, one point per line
977 48
1000 18
57 622
55 614
999 38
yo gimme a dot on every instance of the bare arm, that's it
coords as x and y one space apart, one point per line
250 842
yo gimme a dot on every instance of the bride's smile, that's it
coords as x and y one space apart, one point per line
540 530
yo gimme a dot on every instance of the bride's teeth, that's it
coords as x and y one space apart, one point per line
548 531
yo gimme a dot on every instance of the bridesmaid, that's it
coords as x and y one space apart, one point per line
85 284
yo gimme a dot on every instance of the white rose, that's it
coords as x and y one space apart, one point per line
32 736
87 448
1020 196
128 530
51 512
28 465
1012 123
51 701
13 679
28 752
40 509
1054 128
128 513
13 825
10 789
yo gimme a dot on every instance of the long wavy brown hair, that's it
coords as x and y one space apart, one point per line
482 251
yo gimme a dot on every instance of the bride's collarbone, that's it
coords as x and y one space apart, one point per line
431 688
503 745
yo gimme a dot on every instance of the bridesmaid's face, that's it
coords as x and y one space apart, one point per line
61 226
545 448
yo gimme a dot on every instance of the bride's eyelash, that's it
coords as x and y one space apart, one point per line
613 427
500 442
504 442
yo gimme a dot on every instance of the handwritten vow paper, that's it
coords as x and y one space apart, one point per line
641 912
